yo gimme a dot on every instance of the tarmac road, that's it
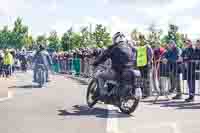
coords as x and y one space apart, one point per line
60 107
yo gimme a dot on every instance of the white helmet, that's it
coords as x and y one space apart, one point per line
118 37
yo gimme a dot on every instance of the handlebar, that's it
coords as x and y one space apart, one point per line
100 65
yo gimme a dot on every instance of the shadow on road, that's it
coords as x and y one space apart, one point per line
176 104
79 80
79 110
182 105
25 86
152 101
190 107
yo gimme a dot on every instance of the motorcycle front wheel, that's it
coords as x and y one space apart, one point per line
128 104
91 90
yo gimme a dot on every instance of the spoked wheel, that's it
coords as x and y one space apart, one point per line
91 90
128 104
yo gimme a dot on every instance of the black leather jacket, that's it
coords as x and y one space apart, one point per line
121 55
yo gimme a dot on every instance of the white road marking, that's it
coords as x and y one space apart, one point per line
112 122
4 99
9 96
175 128
172 125
155 125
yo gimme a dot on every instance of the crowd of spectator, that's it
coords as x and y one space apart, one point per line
175 61
12 60
169 61
165 62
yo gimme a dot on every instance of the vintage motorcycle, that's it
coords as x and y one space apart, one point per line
125 93
41 75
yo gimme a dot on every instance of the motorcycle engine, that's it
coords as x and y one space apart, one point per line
111 85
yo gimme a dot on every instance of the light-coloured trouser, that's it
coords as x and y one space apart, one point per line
164 84
110 74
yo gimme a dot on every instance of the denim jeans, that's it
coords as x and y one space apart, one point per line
191 85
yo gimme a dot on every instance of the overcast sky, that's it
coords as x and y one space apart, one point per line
43 16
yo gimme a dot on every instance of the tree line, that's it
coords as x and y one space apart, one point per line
19 37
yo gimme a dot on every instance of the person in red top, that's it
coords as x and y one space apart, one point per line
162 50
157 54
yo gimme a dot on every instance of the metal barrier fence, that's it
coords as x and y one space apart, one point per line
184 77
76 66
163 77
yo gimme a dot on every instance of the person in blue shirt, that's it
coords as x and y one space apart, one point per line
170 58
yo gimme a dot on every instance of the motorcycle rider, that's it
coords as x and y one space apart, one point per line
23 60
120 53
42 58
